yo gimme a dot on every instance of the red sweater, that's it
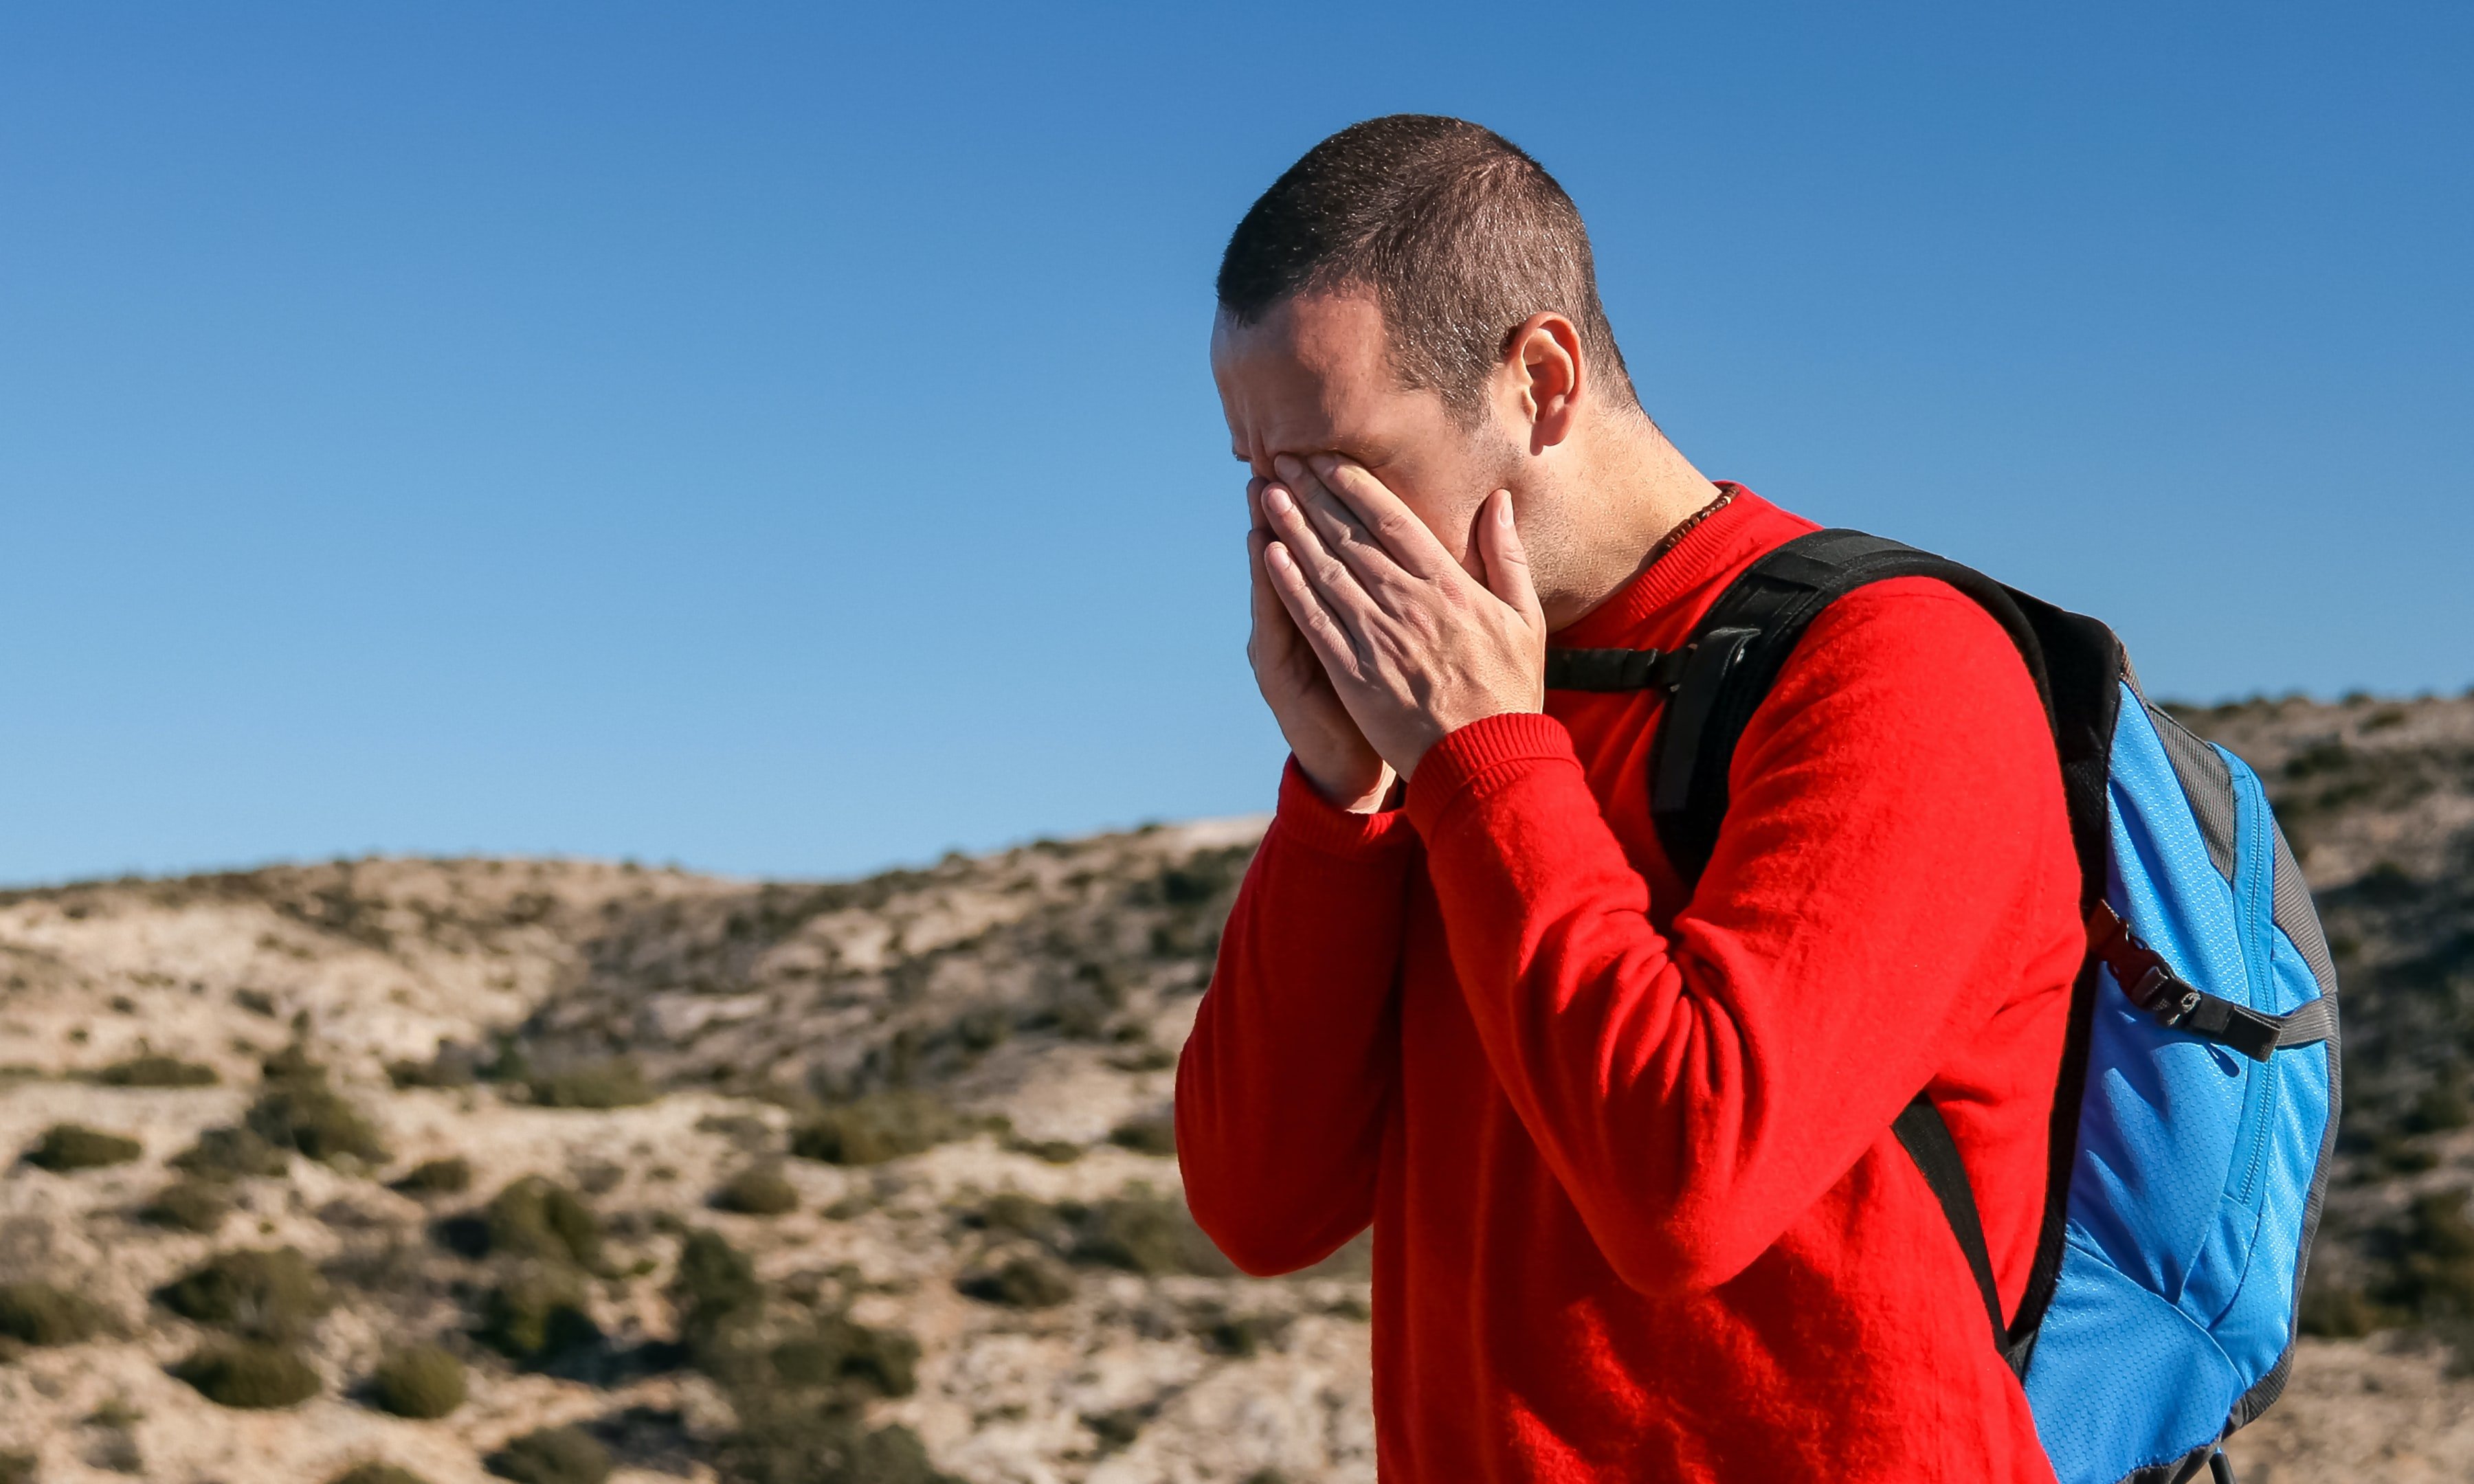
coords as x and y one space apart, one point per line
1639 1214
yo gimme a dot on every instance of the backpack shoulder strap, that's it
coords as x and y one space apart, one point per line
1743 641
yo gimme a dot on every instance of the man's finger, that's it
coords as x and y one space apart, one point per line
1333 582
1391 522
1507 560
1326 634
1344 533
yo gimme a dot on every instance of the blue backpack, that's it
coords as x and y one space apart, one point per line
2197 1111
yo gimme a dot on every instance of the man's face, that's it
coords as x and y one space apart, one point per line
1311 377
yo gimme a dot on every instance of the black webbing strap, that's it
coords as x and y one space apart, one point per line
1742 643
1927 1137
1614 669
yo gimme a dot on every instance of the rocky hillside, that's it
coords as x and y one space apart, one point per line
559 1171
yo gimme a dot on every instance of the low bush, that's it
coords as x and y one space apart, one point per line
853 1357
1142 1231
301 1111
450 1175
617 1083
2430 1258
158 1071
187 1205
418 1381
1019 1282
552 1455
787 1443
1015 1214
378 1473
537 1217
537 1312
759 1190
879 1127
1239 1336
73 1146
714 1287
250 1376
1049 1151
269 1294
452 1067
230 1154
40 1314
1147 1136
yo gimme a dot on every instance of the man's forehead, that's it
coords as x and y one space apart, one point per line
1310 374
1336 334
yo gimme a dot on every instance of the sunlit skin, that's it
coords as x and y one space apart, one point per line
1407 569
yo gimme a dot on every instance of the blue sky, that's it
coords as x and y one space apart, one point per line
777 437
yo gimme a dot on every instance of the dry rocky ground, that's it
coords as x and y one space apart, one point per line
800 1183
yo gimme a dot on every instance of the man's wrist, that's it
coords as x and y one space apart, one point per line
1348 798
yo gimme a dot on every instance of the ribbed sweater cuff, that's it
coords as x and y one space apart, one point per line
1479 758
1307 818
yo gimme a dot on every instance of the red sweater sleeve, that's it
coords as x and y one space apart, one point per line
1284 1087
1695 1094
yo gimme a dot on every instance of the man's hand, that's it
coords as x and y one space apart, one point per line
1414 646
1332 754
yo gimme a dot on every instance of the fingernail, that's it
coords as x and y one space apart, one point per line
1503 508
1276 501
1277 554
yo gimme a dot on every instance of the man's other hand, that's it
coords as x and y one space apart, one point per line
1330 751
1414 646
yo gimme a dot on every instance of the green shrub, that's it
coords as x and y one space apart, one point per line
1015 1214
1019 1282
231 1153
73 1146
264 1294
884 1361
537 1217
1145 1135
779 1442
187 1205
1239 1336
552 1455
759 1190
301 1111
2335 1312
1050 1151
378 1473
2430 1270
879 1127
714 1287
834 1352
1146 1233
617 1083
1117 1427
418 1381
40 1314
450 1175
158 1071
537 1311
251 1376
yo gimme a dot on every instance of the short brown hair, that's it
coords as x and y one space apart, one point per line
1460 235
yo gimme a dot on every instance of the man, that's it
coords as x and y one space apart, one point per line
1626 1146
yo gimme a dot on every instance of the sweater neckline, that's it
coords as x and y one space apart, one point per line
1689 564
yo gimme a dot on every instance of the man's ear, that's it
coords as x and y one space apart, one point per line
1545 377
